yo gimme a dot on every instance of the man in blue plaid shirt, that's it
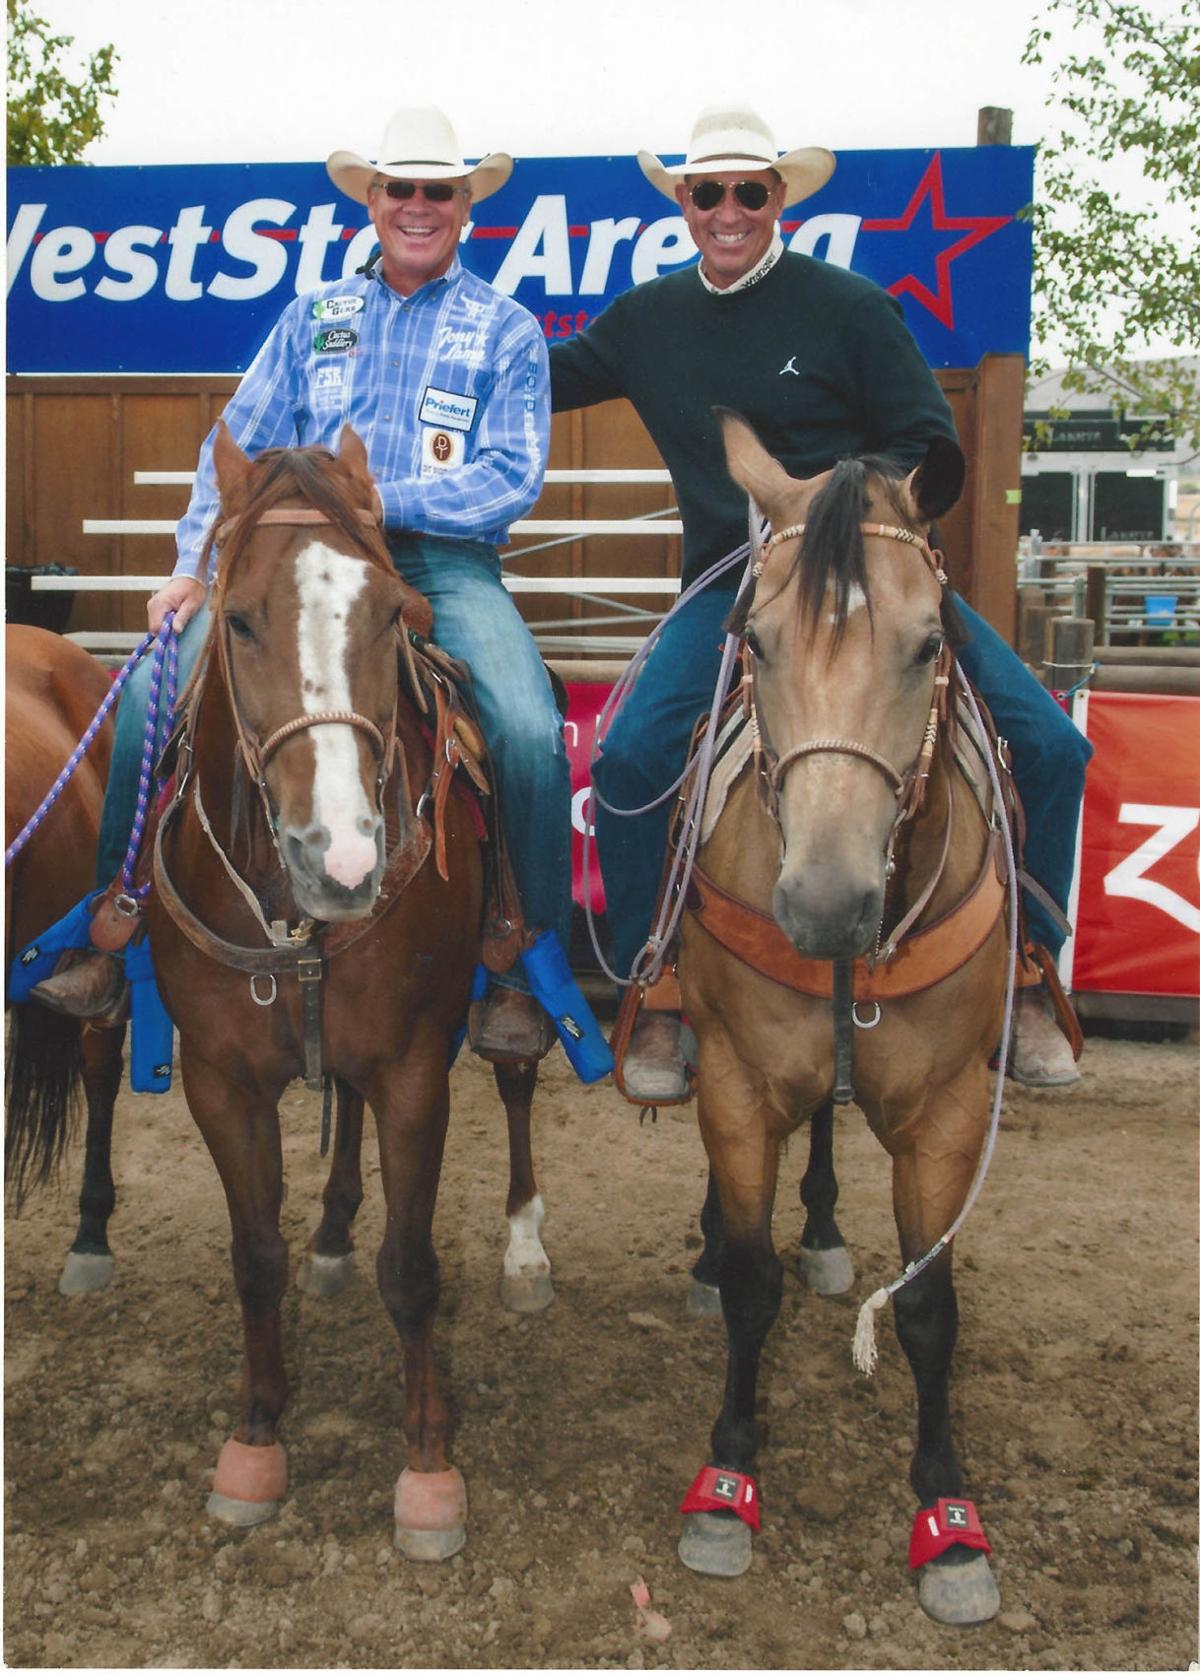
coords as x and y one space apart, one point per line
446 382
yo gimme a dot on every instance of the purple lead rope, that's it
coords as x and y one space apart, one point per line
94 725
166 649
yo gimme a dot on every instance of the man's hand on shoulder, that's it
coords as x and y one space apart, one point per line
183 594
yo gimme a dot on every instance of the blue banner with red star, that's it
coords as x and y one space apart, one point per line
184 269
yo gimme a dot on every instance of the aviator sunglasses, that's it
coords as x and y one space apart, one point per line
707 194
438 191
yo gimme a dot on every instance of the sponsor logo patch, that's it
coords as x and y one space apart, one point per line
441 450
336 307
447 410
336 338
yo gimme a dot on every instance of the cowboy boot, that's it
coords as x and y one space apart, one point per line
90 982
509 1026
1041 1055
654 1066
86 983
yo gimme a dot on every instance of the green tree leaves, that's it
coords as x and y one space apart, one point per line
1117 215
51 119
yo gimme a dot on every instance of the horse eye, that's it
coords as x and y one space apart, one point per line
239 626
752 643
932 648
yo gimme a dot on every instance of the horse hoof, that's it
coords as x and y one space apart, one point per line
959 1594
703 1301
249 1483
431 1514
526 1293
827 1272
83 1274
325 1276
715 1543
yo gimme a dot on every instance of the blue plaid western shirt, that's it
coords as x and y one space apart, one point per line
448 389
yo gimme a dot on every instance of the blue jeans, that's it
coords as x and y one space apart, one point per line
475 620
647 743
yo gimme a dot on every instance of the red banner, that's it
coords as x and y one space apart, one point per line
1138 913
585 701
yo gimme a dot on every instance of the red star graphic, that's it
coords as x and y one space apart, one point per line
941 304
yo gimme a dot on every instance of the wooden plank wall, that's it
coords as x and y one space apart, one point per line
73 445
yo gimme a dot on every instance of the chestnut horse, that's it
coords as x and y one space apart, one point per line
53 689
298 912
846 821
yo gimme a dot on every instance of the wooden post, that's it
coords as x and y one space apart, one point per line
1071 652
997 490
1096 607
994 126
1035 620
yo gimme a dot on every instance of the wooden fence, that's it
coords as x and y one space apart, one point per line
75 443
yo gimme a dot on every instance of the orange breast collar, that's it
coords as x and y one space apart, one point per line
924 958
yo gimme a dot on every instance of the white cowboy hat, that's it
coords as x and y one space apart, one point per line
724 140
418 145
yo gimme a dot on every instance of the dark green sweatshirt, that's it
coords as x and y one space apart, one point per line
818 359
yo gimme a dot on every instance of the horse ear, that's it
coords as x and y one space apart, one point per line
352 456
229 462
937 482
749 463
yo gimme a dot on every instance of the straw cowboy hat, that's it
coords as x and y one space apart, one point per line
418 145
724 140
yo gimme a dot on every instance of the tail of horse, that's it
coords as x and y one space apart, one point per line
43 1074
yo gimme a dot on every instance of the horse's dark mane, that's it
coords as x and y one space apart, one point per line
310 474
832 549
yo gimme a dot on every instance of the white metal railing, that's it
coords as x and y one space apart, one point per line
1142 570
612 595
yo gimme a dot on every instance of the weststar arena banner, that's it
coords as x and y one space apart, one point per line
185 269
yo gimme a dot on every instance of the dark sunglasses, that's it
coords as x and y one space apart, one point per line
438 191
707 194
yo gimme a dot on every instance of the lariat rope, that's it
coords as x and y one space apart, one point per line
864 1353
93 727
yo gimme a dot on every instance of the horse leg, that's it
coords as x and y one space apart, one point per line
328 1264
411 1101
930 1182
242 1135
825 1263
743 1153
525 1286
89 1263
704 1296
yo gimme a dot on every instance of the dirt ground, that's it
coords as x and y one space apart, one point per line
579 1429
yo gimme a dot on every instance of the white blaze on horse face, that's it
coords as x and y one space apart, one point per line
855 599
327 584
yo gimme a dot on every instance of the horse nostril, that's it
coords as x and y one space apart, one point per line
366 825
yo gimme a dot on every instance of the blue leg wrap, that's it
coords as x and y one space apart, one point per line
553 986
153 1039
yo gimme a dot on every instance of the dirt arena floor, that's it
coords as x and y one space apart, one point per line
579 1429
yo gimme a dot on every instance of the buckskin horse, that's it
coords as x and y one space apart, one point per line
52 691
305 918
851 849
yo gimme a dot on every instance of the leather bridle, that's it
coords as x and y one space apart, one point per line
257 753
771 766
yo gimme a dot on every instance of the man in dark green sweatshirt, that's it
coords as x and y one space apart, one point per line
821 364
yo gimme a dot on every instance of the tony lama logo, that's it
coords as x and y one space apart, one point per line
790 367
